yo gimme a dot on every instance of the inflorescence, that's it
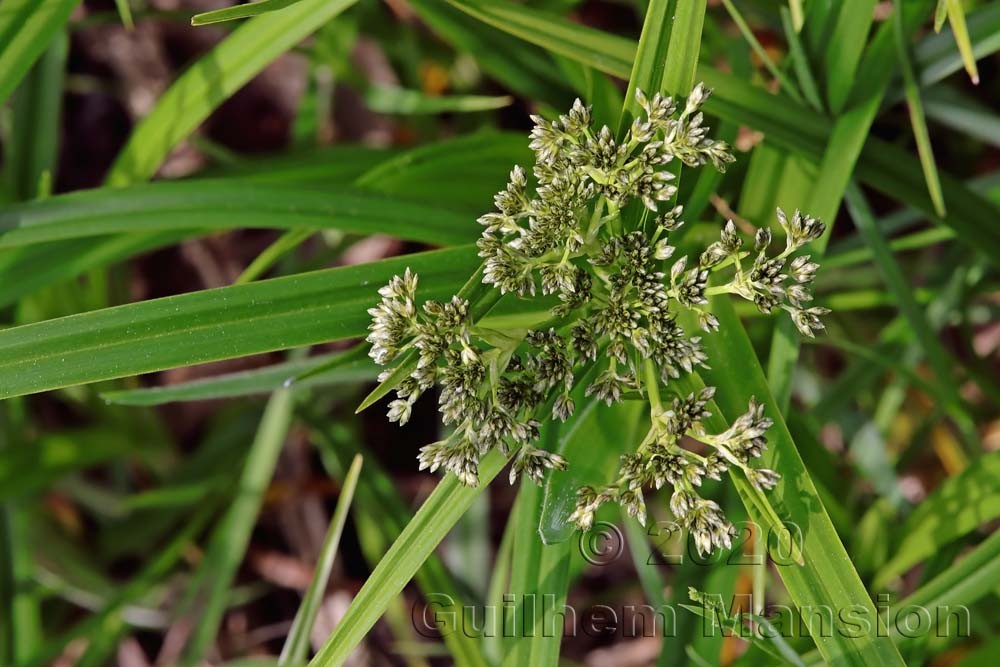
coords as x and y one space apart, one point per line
616 318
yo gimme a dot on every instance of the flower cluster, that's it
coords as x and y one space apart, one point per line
614 330
660 459
487 391
764 282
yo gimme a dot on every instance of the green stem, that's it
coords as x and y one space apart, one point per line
595 220
652 386
720 289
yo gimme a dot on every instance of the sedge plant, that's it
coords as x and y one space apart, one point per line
618 288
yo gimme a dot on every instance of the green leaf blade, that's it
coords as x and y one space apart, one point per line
232 534
826 575
417 541
338 368
214 78
959 505
214 324
26 28
393 99
298 641
212 205
246 11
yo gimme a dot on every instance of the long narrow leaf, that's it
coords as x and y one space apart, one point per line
270 256
392 99
336 369
525 572
960 505
213 324
468 170
417 541
551 587
843 50
125 12
214 78
797 53
240 11
974 576
297 642
37 105
680 73
956 17
20 612
600 50
940 15
386 512
26 28
208 205
765 58
938 56
651 56
230 539
826 575
963 114
840 157
940 360
917 119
